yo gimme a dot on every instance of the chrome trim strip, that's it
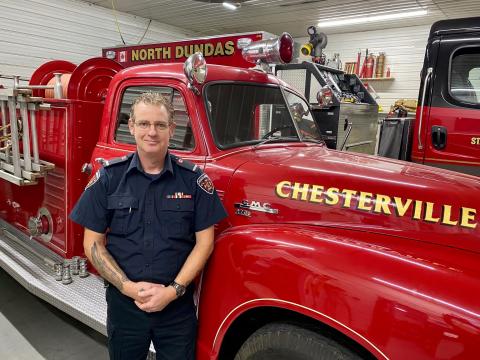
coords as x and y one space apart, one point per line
419 135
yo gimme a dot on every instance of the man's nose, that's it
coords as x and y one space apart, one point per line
152 131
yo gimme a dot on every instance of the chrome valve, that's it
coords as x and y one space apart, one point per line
74 265
82 271
35 226
66 275
58 269
41 225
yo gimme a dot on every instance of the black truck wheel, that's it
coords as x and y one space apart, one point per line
289 342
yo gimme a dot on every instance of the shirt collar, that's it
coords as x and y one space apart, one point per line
136 164
167 165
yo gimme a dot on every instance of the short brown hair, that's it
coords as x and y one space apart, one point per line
153 98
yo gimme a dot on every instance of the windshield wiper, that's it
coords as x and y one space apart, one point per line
276 138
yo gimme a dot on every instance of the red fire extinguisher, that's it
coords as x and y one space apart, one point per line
369 65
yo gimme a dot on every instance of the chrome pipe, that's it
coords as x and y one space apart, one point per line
16 81
11 77
11 236
420 120
57 89
33 124
12 110
26 137
35 87
4 117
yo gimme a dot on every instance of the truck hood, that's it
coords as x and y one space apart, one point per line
317 186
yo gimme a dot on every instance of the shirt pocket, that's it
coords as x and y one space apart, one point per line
177 217
125 213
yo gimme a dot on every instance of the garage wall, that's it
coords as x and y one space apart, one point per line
404 49
35 31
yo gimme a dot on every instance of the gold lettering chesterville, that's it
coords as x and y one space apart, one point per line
417 210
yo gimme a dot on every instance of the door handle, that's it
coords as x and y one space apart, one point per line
439 137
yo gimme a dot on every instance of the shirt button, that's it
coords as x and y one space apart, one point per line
148 222
120 204
178 206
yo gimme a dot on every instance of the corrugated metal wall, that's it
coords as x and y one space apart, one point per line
404 49
35 31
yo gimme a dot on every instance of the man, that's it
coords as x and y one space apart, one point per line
159 212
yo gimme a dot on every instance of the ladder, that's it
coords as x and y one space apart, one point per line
21 165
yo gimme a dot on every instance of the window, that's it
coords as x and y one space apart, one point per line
182 138
465 75
245 114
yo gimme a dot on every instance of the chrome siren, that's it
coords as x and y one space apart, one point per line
273 51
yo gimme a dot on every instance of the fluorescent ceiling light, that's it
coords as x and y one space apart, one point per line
372 18
230 5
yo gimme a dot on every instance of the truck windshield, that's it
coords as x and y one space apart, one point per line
241 114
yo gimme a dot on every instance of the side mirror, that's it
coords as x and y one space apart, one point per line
195 69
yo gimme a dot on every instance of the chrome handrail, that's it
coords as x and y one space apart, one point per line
420 120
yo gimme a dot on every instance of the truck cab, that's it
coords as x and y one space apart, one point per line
447 127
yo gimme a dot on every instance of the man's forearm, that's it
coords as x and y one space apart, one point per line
197 259
107 266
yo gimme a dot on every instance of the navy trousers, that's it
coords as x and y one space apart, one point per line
130 330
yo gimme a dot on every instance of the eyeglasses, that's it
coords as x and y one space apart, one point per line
159 126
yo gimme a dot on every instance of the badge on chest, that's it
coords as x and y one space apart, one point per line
179 195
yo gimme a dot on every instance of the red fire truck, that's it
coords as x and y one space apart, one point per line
447 127
325 254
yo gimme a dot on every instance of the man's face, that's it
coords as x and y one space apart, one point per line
154 139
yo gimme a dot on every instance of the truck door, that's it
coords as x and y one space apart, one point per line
452 133
186 141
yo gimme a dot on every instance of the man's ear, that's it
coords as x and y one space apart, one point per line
131 126
172 129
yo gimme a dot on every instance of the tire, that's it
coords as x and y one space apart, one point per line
278 341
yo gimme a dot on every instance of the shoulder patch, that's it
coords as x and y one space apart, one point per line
114 161
205 184
184 163
93 180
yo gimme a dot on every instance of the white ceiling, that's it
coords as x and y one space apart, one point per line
209 17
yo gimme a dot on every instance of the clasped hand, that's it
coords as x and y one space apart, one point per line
151 297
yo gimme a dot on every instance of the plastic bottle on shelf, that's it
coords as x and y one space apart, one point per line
388 72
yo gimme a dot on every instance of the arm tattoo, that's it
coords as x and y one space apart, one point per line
107 266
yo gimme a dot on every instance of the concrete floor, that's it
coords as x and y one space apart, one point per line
34 330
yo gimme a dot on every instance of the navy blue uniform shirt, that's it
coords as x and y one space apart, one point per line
151 219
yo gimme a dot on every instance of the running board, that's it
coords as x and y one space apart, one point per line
30 264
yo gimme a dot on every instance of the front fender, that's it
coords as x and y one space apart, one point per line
382 292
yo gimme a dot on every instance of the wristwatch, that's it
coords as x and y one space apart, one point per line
179 289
